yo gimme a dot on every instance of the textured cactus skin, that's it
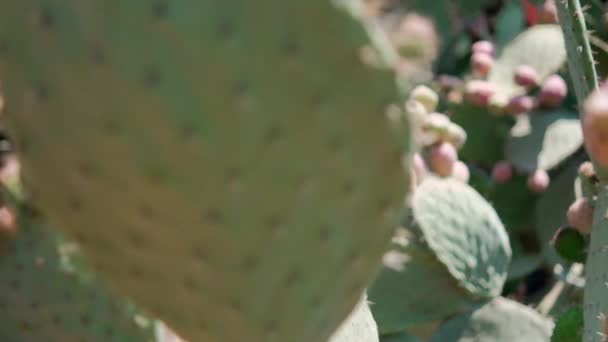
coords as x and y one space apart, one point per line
582 70
49 293
224 163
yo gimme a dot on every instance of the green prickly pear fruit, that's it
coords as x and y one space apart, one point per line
580 215
426 96
553 91
526 76
219 162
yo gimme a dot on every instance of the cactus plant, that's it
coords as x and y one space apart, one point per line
177 117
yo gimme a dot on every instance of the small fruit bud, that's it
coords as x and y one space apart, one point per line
502 172
547 13
538 181
461 172
580 215
479 92
443 157
426 96
520 104
595 126
553 91
481 63
587 171
419 168
447 82
526 76
456 135
483 47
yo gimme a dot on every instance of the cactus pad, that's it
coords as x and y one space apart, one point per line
501 320
359 326
223 163
465 233
540 47
544 141
49 293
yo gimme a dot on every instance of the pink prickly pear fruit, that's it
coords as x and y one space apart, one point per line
502 172
580 215
553 91
419 168
526 76
538 181
547 13
481 63
587 170
520 104
461 172
479 92
595 126
484 47
443 156
8 222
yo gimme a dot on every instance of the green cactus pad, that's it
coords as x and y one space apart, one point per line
543 141
49 293
465 233
222 163
398 299
569 326
501 320
358 327
486 133
540 47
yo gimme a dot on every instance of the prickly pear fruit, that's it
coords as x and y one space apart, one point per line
479 92
484 47
538 181
595 126
461 172
520 104
153 132
547 13
553 91
481 63
426 96
502 172
580 215
443 156
526 76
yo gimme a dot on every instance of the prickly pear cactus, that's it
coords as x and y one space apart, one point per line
49 293
224 164
359 327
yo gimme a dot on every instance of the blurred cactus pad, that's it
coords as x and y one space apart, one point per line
303 171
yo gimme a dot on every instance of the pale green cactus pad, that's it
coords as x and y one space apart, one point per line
465 233
49 293
223 163
540 47
358 327
454 244
501 320
398 301
543 140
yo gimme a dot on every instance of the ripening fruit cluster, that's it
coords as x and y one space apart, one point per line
546 94
440 138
